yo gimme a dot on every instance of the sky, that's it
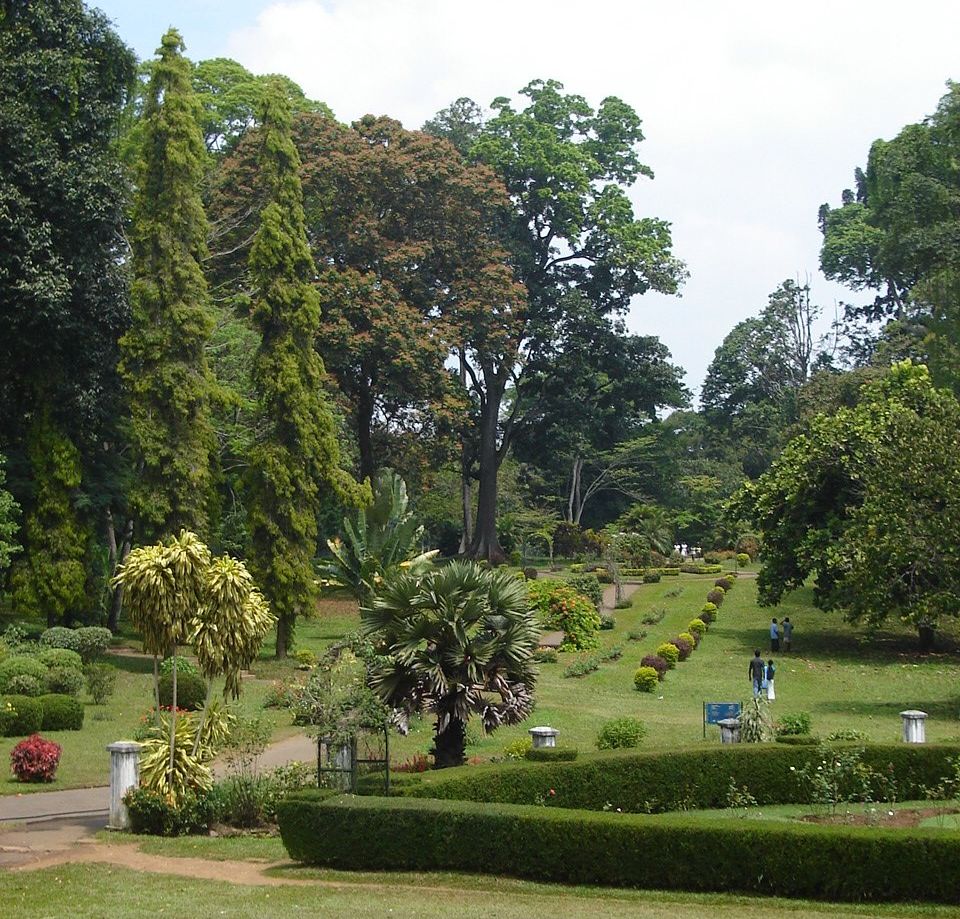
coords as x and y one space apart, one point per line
755 113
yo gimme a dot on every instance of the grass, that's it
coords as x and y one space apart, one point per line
100 890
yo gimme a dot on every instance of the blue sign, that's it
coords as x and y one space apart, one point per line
717 711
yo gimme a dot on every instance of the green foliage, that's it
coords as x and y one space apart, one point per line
21 665
21 715
743 559
297 455
22 684
708 610
755 726
645 679
93 641
560 606
589 586
154 814
607 622
546 656
61 713
66 681
191 690
184 666
61 637
551 754
458 640
670 653
798 739
518 749
164 364
621 733
838 777
799 723
697 627
651 577
847 734
9 523
654 616
582 667
60 657
101 680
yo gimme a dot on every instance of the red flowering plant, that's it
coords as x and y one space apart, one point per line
35 759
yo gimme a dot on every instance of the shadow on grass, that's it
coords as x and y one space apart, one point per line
130 663
939 709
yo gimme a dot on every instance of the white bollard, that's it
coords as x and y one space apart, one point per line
124 775
914 729
543 737
729 730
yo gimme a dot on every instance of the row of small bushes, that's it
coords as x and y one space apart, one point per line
22 715
667 780
624 850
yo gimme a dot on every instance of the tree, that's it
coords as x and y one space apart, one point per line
574 244
297 455
164 363
459 641
9 524
866 502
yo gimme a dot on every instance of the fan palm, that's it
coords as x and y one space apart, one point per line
457 641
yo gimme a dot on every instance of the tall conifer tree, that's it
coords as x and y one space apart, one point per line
298 454
164 364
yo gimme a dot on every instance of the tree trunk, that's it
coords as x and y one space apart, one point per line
466 496
284 635
364 437
450 746
575 503
486 543
926 634
118 555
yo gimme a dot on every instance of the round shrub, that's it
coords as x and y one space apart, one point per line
191 690
24 715
35 759
61 713
559 606
60 637
716 596
684 648
64 681
690 638
24 685
184 665
93 641
670 653
697 627
60 657
530 574
657 663
708 613
651 577
645 679
725 583
20 665
743 559
621 733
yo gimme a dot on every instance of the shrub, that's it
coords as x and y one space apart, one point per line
184 665
530 574
621 733
545 655
607 622
611 654
755 721
690 638
636 634
582 667
551 754
657 663
589 586
60 637
670 572
654 616
61 713
847 734
716 596
101 679
624 850
24 715
645 679
603 576
708 612
64 681
22 684
725 583
799 723
20 665
306 659
559 606
60 657
93 641
798 740
684 648
191 690
697 627
153 814
749 545
518 749
623 603
670 653
35 759
743 559
651 577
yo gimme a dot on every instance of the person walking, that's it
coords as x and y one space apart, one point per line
787 633
768 676
774 635
755 671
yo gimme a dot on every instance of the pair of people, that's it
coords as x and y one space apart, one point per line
762 675
780 631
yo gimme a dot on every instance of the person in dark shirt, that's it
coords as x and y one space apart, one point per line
774 635
756 671
787 633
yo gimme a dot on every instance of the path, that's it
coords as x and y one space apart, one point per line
610 595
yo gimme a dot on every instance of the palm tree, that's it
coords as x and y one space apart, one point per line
456 641
653 523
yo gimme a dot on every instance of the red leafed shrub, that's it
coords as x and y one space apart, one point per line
418 763
658 664
35 759
683 646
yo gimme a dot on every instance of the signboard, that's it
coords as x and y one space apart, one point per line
717 711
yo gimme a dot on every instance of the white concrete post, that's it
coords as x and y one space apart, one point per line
543 737
729 730
124 775
914 729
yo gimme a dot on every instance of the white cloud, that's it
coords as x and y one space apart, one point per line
755 112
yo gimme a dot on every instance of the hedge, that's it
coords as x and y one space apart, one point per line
61 713
638 781
20 716
623 850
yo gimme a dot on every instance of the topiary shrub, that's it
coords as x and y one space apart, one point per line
21 665
743 559
684 648
60 657
645 679
152 813
23 715
60 637
690 638
725 583
708 613
551 754
61 713
670 653
621 733
22 684
716 596
101 679
531 574
651 577
184 665
64 681
92 642
658 664
191 690
35 759
697 627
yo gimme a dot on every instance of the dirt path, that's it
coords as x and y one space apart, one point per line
610 595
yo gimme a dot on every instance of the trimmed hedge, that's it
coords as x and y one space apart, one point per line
21 665
61 713
191 690
624 850
638 781
20 715
551 754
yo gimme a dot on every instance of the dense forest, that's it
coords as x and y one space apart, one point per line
224 310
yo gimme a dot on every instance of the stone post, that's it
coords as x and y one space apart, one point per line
914 729
124 775
729 730
543 737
